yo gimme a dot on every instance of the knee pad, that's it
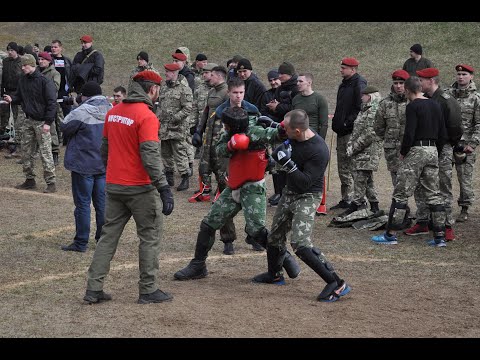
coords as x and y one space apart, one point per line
438 214
396 216
322 258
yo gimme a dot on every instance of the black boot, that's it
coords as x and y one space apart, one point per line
335 287
55 159
169 176
228 248
197 268
352 208
184 185
374 207
275 258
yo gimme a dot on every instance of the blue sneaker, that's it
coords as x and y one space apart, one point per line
437 242
341 290
385 239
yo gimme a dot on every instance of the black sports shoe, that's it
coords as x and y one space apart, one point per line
157 296
341 205
73 247
93 297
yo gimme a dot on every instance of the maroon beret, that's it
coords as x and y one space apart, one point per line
172 66
428 73
400 75
45 55
86 38
148 75
463 67
179 56
350 62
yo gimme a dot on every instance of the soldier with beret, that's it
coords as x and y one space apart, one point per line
390 121
88 65
465 92
136 186
349 104
452 117
176 101
416 61
182 59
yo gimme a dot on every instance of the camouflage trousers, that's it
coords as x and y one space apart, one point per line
344 165
445 167
190 149
363 185
465 180
146 210
18 120
392 157
174 152
211 163
295 212
34 139
252 198
54 129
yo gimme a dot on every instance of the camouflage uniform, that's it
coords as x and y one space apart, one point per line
174 115
366 148
445 165
469 100
199 102
138 69
52 74
389 126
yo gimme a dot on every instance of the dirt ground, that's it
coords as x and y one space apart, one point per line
405 291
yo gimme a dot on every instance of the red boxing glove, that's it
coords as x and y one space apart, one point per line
238 142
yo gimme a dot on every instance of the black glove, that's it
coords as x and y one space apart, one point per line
167 199
270 165
265 122
193 129
283 155
197 140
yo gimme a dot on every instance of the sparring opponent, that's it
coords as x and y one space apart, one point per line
244 144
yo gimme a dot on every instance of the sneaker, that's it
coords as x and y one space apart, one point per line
93 297
267 278
157 296
417 229
51 188
449 234
437 242
228 248
385 239
341 205
342 290
73 247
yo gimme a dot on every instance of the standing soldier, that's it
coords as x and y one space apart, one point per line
88 65
200 62
390 122
142 64
174 113
465 91
453 121
364 149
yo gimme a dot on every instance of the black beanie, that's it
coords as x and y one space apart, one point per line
142 55
244 64
417 48
286 68
13 46
201 57
91 88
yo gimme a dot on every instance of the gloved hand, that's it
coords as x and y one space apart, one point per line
197 140
238 142
265 122
349 150
283 155
167 199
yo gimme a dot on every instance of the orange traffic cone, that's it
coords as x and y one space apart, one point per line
322 208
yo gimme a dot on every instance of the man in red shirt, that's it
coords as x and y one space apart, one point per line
135 179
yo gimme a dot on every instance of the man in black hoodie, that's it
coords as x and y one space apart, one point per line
349 102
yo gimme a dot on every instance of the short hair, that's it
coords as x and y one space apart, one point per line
221 69
57 41
413 84
308 76
235 82
298 119
121 89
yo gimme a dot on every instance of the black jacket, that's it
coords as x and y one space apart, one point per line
284 95
95 65
190 76
38 97
452 115
349 104
268 96
254 90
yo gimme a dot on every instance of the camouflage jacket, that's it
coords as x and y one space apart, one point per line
175 109
469 101
364 142
210 125
390 119
199 100
138 69
52 74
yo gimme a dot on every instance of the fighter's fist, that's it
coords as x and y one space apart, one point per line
283 155
238 142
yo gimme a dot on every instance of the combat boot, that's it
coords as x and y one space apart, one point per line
51 188
169 176
374 207
463 214
184 185
27 185
93 297
275 259
157 296
228 248
55 159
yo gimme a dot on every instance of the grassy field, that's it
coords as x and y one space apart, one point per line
318 48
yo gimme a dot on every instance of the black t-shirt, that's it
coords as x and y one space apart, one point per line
311 157
59 63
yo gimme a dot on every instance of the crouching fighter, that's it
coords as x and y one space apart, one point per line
244 143
304 156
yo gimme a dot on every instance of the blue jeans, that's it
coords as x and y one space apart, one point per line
88 189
